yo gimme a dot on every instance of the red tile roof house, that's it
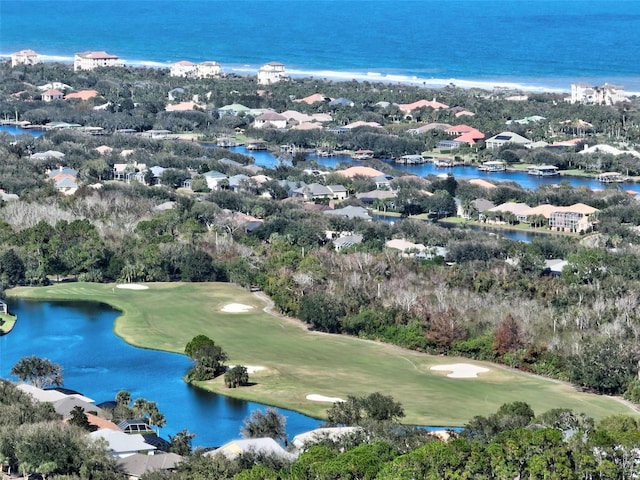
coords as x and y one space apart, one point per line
409 107
82 95
51 95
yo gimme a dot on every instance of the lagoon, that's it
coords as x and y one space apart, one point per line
79 336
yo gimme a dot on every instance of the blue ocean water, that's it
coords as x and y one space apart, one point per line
539 44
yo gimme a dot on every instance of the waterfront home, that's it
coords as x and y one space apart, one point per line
208 69
93 60
507 212
183 68
576 218
270 120
543 170
122 445
52 95
270 73
25 57
505 138
596 95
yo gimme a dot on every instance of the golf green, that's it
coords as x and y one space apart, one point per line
295 362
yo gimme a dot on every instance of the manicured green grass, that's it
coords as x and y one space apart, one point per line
8 321
299 362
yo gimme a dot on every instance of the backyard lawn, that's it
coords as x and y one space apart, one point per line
296 362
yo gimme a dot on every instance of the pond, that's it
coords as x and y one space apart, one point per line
79 336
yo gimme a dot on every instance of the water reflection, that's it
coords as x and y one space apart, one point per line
79 336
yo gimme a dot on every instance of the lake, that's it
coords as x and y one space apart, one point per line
79 336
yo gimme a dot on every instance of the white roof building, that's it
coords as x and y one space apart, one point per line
122 444
270 73
25 57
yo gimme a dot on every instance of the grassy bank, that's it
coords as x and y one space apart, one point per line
7 322
298 362
520 227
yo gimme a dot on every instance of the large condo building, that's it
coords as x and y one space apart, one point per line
93 60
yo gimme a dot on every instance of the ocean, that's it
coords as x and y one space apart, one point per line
536 45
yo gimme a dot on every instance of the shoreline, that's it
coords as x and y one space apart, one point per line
273 385
377 75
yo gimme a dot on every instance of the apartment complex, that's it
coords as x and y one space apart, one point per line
93 60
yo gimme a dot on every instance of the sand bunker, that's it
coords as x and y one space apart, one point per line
132 286
460 370
236 308
251 368
321 398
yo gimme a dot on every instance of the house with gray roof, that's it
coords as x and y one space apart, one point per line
137 465
233 109
313 191
65 406
372 196
240 182
505 138
213 179
346 241
122 445
350 212
230 163
47 155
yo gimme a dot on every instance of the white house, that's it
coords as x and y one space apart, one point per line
183 68
270 120
24 57
270 73
93 60
592 95
209 69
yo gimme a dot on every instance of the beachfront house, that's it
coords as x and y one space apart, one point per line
93 60
208 69
592 95
270 73
183 68
24 57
